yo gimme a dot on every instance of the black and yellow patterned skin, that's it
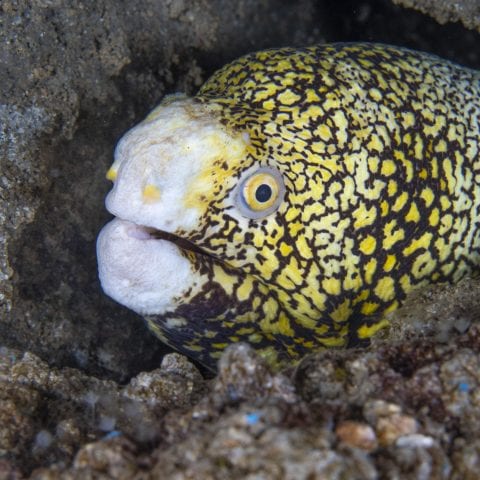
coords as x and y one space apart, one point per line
379 148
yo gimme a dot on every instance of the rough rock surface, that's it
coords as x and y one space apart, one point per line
46 414
75 76
402 409
465 11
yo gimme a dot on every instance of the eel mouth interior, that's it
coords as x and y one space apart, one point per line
151 233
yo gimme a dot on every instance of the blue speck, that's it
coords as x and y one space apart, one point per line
464 387
112 434
252 418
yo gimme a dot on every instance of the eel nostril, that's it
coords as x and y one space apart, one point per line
112 173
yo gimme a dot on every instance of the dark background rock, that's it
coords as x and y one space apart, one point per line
466 11
74 77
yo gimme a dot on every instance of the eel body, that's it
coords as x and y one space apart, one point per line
296 199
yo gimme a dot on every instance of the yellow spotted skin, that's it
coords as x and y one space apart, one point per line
379 149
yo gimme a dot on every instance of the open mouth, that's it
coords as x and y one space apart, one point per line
147 233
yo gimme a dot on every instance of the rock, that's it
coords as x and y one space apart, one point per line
47 414
466 459
466 11
357 434
243 375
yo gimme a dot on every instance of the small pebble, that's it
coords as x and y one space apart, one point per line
391 428
357 434
415 440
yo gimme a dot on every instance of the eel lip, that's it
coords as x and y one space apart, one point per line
141 232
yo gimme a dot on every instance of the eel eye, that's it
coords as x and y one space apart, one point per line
260 193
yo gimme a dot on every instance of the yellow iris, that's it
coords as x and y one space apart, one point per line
260 191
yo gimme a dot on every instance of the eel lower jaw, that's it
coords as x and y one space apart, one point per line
144 269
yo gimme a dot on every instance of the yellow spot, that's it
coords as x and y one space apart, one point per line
283 325
447 269
364 216
294 271
369 307
342 312
292 214
331 286
224 279
375 94
332 341
445 202
367 245
303 248
367 331
112 174
361 297
286 283
408 119
285 249
331 102
263 94
245 289
373 164
268 104
441 146
313 98
434 217
151 193
324 132
294 228
393 306
370 268
423 265
384 208
255 338
392 188
448 169
278 325
428 196
418 149
422 242
400 202
409 172
375 143
270 308
405 283
413 215
389 263
385 289
288 97
341 123
392 234
199 348
388 168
